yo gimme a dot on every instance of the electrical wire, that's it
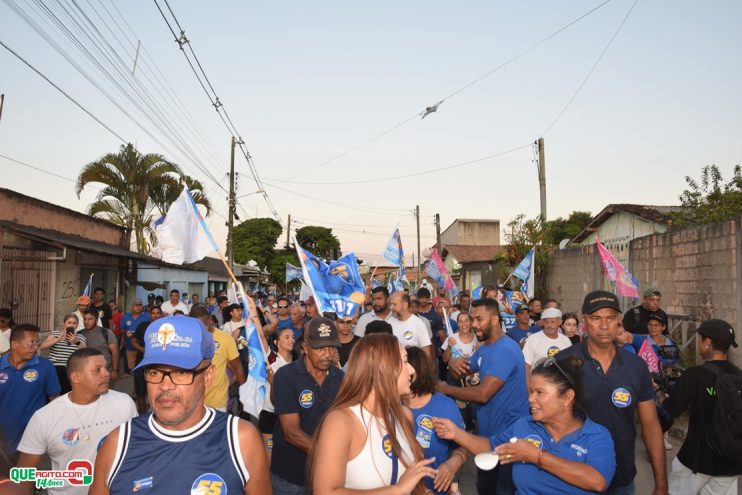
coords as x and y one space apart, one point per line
592 69
451 95
377 211
78 104
413 174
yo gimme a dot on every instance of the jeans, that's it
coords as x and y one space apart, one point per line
621 490
283 487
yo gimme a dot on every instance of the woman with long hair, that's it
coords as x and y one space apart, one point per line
366 440
555 450
570 324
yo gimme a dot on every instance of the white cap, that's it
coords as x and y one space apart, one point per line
551 313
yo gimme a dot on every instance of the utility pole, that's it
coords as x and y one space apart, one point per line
417 217
232 201
288 232
438 233
542 177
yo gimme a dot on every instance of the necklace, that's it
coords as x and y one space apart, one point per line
95 414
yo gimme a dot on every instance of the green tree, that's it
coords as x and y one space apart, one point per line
566 228
131 183
277 267
318 240
255 239
711 200
524 234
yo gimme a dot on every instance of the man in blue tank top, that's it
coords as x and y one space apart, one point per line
181 446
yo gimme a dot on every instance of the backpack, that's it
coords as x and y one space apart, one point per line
726 420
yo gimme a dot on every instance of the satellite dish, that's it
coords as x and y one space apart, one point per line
563 243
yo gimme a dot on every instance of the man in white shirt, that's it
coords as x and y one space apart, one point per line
408 328
546 343
174 304
72 426
380 305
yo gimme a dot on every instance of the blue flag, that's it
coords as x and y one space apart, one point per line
395 254
337 287
88 287
293 273
252 392
476 293
395 285
525 272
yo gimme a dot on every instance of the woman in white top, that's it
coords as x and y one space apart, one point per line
283 340
365 442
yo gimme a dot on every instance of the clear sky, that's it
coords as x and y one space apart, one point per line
306 81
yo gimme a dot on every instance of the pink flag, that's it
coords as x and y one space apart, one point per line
441 269
649 356
614 270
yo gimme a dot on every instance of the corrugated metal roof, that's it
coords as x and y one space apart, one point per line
653 213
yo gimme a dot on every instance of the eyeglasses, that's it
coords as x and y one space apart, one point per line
178 377
32 343
280 306
549 362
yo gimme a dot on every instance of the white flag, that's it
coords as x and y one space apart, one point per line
183 236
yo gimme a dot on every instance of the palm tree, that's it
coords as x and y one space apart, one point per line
135 185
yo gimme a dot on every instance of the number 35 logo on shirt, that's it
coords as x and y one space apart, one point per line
621 397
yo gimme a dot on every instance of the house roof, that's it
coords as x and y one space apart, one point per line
472 254
652 213
66 240
216 269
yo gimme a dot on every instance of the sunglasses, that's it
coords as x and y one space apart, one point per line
282 306
549 362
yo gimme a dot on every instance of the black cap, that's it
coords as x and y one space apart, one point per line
423 292
522 308
322 333
599 299
658 317
718 330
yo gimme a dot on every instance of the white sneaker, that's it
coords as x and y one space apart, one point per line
668 445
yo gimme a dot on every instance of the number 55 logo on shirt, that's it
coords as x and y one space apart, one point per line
621 397
208 484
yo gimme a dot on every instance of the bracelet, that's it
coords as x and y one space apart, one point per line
461 454
540 456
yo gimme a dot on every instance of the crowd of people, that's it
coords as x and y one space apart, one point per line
393 400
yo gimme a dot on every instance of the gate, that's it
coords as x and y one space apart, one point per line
25 285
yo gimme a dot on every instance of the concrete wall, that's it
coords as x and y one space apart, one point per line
472 233
699 272
32 212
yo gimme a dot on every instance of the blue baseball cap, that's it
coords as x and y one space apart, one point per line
179 341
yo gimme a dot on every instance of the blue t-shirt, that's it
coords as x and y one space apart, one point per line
23 392
130 324
288 323
517 334
591 444
439 406
504 360
667 352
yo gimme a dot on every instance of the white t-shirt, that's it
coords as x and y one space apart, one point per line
274 366
462 347
231 326
365 319
68 431
168 308
411 332
539 346
4 343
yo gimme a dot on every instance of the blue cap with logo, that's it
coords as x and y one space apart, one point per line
179 341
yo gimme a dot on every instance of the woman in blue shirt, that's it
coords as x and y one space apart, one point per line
663 346
557 450
426 404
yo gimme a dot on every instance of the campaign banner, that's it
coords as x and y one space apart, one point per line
626 284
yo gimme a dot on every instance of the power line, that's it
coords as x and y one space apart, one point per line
592 69
377 211
461 89
214 99
78 104
413 174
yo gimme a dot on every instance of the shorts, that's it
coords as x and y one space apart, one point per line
683 481
267 422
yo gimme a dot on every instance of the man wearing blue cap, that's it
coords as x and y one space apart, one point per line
182 446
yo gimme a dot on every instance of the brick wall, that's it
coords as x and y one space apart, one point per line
699 272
